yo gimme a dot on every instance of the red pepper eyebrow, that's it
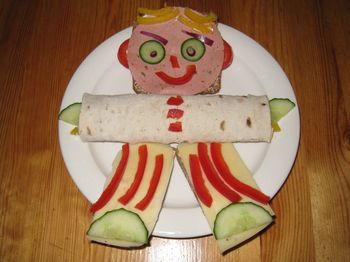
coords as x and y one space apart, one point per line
155 36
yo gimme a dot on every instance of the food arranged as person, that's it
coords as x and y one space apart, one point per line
176 74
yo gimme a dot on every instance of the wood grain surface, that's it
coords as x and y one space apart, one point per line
44 217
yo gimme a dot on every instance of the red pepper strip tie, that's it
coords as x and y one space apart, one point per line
157 172
190 71
198 181
113 185
175 127
138 176
175 101
222 167
213 176
175 113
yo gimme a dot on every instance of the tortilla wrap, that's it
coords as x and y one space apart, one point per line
138 118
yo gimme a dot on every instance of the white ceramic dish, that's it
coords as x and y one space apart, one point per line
253 71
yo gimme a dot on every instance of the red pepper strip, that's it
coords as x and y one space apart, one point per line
198 181
138 176
157 172
175 127
175 101
190 71
221 166
113 185
174 62
175 113
213 176
122 57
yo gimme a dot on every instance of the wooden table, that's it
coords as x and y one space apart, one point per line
43 215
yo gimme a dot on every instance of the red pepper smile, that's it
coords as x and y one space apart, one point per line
190 71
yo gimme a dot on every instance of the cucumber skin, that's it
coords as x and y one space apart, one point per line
230 205
141 53
280 107
70 114
188 58
118 210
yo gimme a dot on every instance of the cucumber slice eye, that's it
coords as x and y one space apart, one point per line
152 52
192 49
240 217
119 224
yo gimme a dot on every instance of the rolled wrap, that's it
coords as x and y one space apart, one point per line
144 118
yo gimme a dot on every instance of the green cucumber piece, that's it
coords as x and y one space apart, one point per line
70 114
192 49
280 107
152 52
239 217
119 224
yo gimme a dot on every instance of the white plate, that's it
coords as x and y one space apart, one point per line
253 71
